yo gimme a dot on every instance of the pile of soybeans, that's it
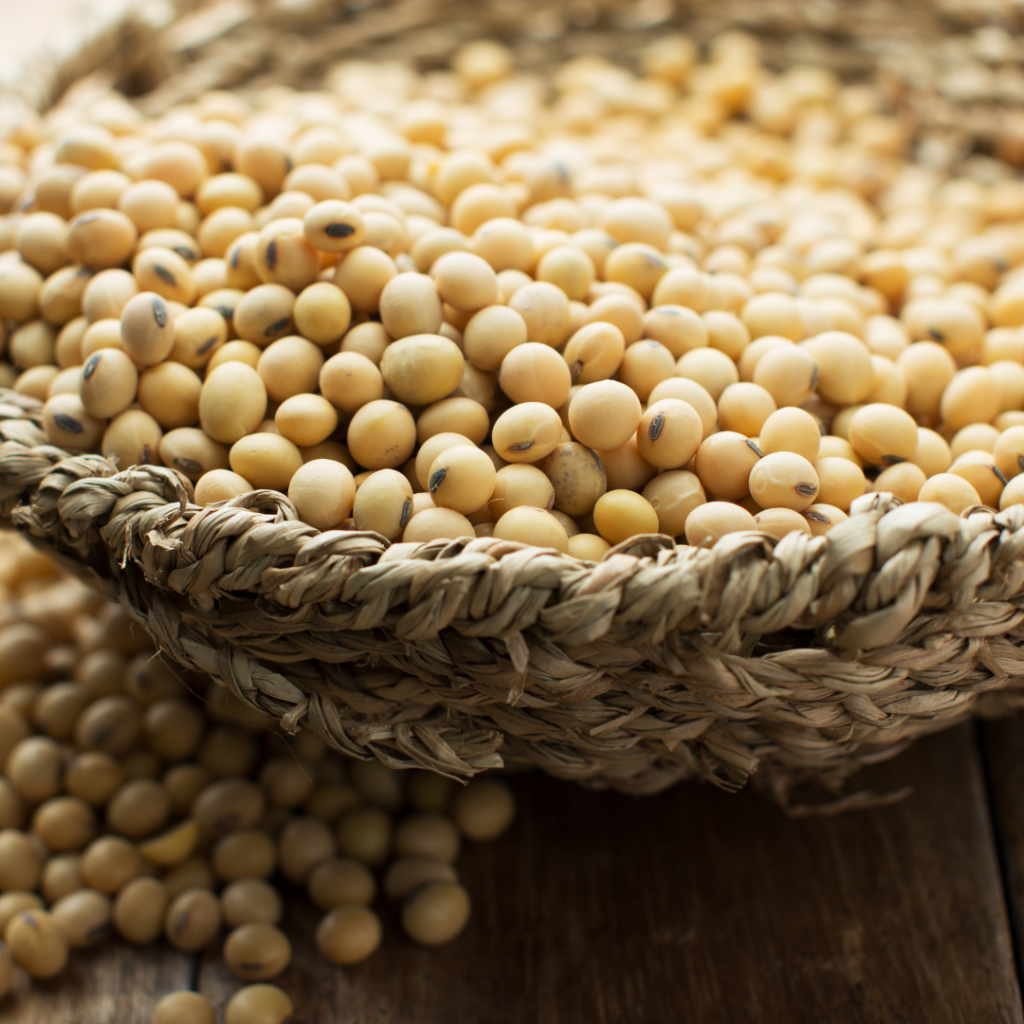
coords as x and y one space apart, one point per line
560 310
156 808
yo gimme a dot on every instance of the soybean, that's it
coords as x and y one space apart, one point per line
669 433
530 431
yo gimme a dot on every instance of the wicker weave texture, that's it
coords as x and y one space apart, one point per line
662 663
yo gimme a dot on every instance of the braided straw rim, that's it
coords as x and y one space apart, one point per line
660 663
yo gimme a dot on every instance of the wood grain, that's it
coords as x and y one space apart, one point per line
699 906
691 906
114 984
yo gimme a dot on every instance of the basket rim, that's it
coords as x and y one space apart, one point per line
917 519
249 596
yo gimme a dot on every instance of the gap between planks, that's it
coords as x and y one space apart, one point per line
1002 746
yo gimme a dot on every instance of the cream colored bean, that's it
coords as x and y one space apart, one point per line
306 419
490 334
232 402
528 432
422 368
170 392
362 275
673 496
669 433
840 482
545 311
264 313
183 1007
710 522
458 415
198 334
383 503
348 934
323 493
37 943
461 478
905 480
261 1003
192 452
621 514
322 313
218 485
436 523
266 460
334 226
526 524
883 435
949 490
381 435
535 373
604 414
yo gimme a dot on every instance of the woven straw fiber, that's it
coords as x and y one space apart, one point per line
660 663
803 658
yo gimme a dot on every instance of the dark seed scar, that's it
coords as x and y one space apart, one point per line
68 423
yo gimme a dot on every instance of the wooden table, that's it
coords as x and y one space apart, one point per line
694 906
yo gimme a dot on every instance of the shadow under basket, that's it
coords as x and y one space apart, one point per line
777 662
801 659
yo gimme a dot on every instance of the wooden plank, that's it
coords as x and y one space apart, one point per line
113 984
698 906
1003 748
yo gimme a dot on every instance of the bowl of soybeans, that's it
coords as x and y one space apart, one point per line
483 311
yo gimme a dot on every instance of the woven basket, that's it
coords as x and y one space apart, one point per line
800 659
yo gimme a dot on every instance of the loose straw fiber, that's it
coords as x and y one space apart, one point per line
798 659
